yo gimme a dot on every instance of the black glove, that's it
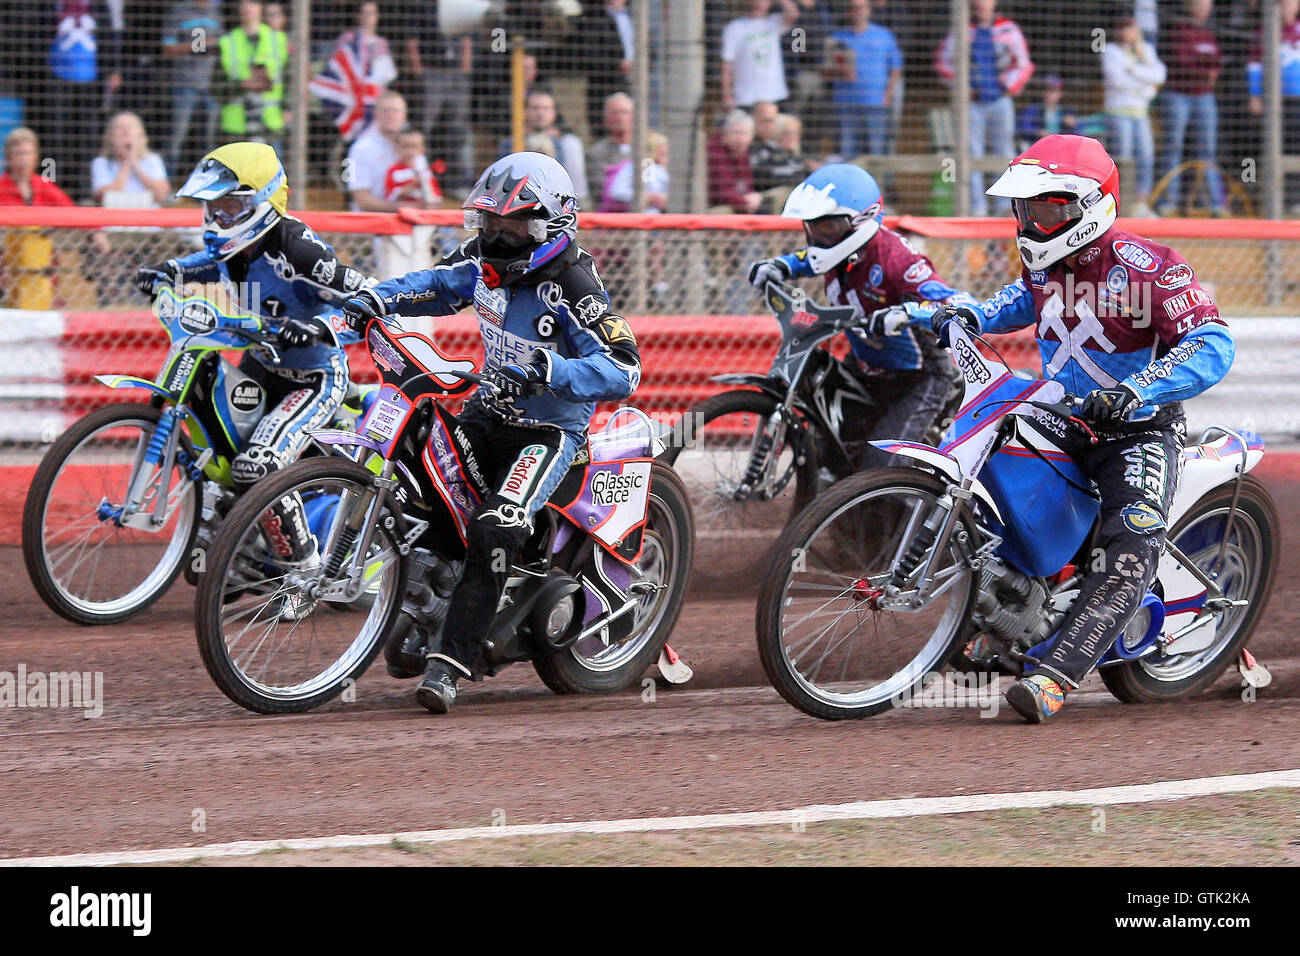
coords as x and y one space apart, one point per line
146 277
960 313
1103 405
298 333
359 310
511 382
763 270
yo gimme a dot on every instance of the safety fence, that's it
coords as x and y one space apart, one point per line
66 316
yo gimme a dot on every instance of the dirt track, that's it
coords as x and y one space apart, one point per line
169 744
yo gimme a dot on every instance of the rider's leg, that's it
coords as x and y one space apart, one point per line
313 399
525 465
912 401
1137 474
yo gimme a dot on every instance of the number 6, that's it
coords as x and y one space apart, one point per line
545 325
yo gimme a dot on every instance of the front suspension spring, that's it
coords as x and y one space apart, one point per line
158 442
347 537
758 460
916 550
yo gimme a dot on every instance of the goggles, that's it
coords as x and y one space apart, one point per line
500 230
1046 214
826 231
228 210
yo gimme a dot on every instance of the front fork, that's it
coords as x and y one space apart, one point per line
923 539
762 461
148 505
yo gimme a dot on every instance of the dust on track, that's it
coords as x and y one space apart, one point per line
169 744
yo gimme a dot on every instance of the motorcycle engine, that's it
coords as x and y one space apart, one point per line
1015 609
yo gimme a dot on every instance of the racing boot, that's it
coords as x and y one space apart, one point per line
1036 697
437 690
424 612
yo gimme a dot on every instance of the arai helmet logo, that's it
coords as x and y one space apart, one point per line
1082 236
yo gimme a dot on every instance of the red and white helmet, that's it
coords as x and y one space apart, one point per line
1064 193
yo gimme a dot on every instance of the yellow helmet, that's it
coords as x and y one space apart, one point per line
244 192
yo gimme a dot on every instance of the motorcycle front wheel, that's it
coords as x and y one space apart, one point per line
269 632
86 566
827 645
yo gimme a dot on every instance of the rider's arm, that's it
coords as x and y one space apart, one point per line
313 262
196 267
446 288
797 263
1009 309
605 365
1200 347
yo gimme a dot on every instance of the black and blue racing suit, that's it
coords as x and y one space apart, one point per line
560 316
290 272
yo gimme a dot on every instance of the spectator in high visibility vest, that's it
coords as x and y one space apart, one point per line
252 82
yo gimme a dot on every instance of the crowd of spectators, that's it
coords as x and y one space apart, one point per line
409 114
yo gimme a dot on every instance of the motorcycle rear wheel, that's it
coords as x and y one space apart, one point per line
736 534
1249 564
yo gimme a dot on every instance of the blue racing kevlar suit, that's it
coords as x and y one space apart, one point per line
1129 312
561 314
290 272
907 374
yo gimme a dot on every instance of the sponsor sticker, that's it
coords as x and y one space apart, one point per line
523 473
198 317
1176 276
489 304
485 202
1082 235
1038 278
917 271
1139 257
876 274
385 355
246 396
1184 302
609 489
590 308
1088 255
970 362
384 418
1142 518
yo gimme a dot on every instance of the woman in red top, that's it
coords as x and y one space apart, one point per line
19 184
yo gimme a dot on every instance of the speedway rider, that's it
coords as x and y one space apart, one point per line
1124 322
891 285
552 350
281 270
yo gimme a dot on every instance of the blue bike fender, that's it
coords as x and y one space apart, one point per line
945 464
132 381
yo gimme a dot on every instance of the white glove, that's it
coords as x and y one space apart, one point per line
887 321
763 270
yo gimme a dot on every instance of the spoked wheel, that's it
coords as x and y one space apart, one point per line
1245 573
590 665
831 641
89 562
269 631
737 528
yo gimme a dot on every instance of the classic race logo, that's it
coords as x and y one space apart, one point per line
610 489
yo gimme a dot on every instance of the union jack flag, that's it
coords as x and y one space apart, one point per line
347 91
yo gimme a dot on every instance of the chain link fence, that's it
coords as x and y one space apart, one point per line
69 310
719 105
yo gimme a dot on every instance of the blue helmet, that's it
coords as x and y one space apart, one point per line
841 208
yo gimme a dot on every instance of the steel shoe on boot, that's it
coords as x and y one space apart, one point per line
1036 697
437 690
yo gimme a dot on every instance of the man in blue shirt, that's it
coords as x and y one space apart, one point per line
865 71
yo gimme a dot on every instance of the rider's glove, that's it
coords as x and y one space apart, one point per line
763 270
1103 405
360 309
888 321
511 382
146 277
298 333
959 313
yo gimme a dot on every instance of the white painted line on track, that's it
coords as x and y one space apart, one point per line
867 810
